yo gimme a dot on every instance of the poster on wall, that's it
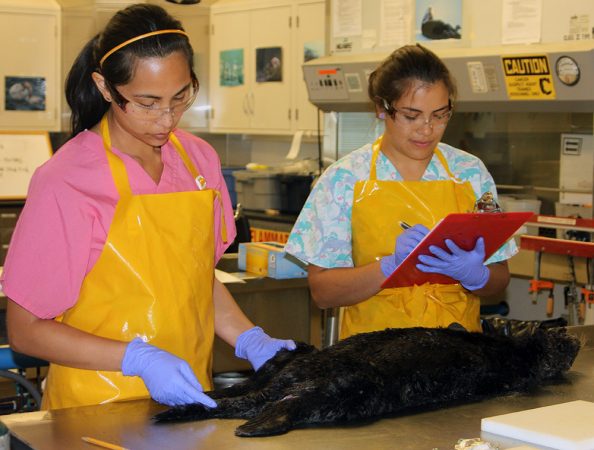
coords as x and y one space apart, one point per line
231 67
438 20
269 64
24 93
312 50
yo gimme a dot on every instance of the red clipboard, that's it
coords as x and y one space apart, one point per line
464 229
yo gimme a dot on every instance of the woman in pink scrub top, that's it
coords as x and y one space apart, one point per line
110 272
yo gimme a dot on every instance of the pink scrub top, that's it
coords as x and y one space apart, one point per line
70 205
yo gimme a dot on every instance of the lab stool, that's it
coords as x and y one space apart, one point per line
27 395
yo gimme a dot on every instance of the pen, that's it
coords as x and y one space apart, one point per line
103 444
404 225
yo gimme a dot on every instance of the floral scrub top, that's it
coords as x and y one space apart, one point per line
322 233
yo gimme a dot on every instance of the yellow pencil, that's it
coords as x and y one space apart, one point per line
103 444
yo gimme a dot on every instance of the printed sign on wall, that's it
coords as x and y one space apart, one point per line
528 77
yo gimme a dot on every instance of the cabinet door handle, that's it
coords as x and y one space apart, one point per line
244 105
252 103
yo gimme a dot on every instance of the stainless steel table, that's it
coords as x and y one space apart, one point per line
128 424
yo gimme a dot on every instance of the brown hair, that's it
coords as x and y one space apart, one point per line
394 76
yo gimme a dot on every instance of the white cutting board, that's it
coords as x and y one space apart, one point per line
566 426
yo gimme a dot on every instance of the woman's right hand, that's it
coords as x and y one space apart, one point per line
169 379
405 243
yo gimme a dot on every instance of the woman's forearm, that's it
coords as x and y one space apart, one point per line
498 280
348 286
230 321
59 343
344 286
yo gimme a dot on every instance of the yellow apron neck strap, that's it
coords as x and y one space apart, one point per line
120 175
199 180
118 169
445 165
181 151
376 151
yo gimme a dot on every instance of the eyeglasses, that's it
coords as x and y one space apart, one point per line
179 103
410 118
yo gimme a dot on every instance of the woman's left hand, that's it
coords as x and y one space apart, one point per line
257 347
467 267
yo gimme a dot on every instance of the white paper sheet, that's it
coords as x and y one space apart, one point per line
225 277
396 23
347 18
521 21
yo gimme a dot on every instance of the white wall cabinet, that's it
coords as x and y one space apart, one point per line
309 36
30 69
245 36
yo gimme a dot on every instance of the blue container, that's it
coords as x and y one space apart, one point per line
230 182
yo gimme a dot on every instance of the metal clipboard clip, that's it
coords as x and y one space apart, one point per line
486 204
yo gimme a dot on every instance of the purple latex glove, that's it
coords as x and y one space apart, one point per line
467 267
405 243
257 347
169 379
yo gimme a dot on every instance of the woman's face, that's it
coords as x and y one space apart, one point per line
418 123
156 94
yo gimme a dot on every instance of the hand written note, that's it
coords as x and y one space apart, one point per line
12 165
20 155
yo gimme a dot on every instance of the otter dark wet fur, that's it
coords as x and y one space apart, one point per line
370 375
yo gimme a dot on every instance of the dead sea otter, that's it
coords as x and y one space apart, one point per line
373 374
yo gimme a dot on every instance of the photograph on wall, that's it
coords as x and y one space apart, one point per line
312 50
438 20
231 68
269 64
24 93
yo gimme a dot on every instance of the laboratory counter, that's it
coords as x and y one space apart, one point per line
129 424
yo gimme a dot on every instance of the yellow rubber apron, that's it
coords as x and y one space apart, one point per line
378 206
153 279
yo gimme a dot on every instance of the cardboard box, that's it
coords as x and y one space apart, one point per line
269 259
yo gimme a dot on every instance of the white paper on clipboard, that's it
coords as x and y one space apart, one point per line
20 154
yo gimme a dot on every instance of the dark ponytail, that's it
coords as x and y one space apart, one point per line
85 100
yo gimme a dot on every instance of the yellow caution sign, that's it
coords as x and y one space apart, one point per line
528 77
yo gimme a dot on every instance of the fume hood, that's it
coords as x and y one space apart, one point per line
534 78
516 106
